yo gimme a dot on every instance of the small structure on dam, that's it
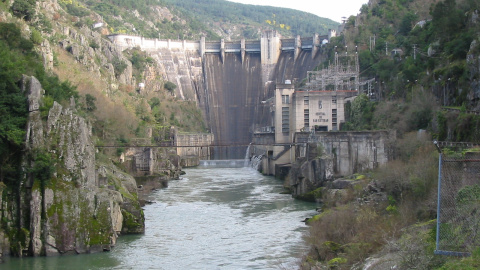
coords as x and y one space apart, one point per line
193 147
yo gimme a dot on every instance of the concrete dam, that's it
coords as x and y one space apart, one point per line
231 80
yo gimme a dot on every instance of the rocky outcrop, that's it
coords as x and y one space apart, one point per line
473 63
129 216
306 176
98 55
62 207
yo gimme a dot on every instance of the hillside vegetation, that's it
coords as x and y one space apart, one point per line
248 21
18 58
424 57
191 20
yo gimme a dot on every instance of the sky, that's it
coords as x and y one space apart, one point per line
332 9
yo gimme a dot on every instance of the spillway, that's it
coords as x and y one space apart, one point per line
234 89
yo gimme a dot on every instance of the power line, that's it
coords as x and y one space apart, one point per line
186 146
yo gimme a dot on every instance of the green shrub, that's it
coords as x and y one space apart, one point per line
170 86
43 167
47 103
36 37
119 66
90 103
24 9
94 45
76 10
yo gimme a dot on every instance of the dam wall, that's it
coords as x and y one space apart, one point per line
230 80
234 90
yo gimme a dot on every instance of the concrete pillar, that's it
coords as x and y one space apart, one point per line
222 50
184 44
298 48
315 45
331 33
270 47
168 44
202 47
242 49
156 43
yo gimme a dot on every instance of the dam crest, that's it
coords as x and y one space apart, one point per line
269 46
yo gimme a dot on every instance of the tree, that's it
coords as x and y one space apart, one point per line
407 22
24 9
43 167
361 112
90 103
13 109
170 86
154 102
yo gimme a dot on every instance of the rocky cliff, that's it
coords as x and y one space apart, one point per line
309 174
473 62
61 206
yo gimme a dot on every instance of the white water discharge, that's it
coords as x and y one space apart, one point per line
247 157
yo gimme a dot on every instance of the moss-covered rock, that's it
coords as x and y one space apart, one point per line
307 176
67 210
312 196
133 220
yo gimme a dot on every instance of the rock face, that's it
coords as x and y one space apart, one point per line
345 153
66 208
306 176
473 62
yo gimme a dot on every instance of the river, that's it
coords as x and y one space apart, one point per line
212 218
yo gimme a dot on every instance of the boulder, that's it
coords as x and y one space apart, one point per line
340 184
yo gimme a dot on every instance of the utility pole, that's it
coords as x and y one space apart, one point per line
372 43
414 52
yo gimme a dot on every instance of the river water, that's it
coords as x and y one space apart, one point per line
212 218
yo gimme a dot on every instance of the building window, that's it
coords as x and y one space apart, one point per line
334 99
285 120
285 99
334 117
305 100
319 104
306 118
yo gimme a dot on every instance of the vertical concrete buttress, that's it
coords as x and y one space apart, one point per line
315 45
222 50
242 49
202 47
298 48
270 49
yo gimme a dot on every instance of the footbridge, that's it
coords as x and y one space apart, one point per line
269 46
